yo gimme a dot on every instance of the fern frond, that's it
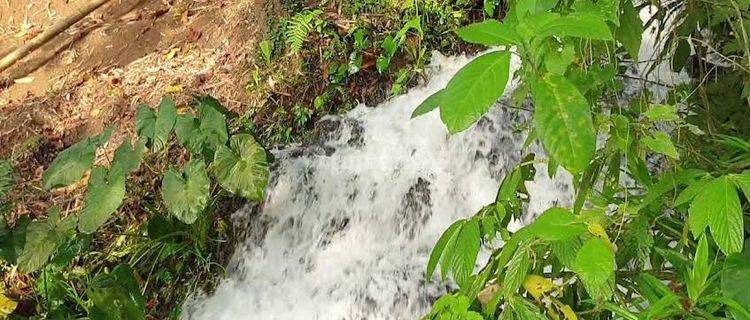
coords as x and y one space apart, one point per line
298 28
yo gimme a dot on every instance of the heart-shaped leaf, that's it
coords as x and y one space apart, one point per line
42 239
243 168
104 194
156 127
70 165
186 194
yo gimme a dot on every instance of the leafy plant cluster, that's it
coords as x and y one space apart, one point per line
658 226
329 56
236 163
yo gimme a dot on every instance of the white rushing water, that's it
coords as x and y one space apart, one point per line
350 219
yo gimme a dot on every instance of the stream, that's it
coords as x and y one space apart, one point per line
350 219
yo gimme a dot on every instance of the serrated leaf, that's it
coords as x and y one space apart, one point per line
429 104
116 296
735 277
243 169
489 33
718 207
595 265
42 239
661 143
743 182
128 157
186 194
474 89
70 165
566 250
437 252
661 112
630 32
463 254
563 122
692 190
699 273
556 224
104 194
165 120
517 269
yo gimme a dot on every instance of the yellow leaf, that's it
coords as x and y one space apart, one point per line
173 89
538 286
172 53
568 312
596 229
7 306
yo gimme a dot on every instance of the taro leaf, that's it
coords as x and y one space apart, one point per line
735 278
116 296
70 165
164 123
595 265
489 33
187 130
104 194
563 122
42 239
128 157
718 207
212 125
556 224
473 90
660 142
12 239
242 169
145 121
429 104
186 194
630 31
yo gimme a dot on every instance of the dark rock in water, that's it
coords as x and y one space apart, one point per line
416 208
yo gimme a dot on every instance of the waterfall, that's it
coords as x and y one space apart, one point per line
350 219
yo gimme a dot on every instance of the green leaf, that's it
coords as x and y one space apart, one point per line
437 252
660 142
718 207
242 169
104 194
670 182
558 60
70 165
699 273
630 31
212 125
743 182
116 296
429 104
586 26
145 121
12 240
566 250
563 122
489 33
556 224
128 158
517 269
609 10
661 112
735 278
474 89
6 179
691 191
42 239
186 194
463 253
164 123
595 264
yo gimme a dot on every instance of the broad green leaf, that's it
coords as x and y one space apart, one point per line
630 31
128 158
116 296
557 60
12 240
212 125
524 7
556 224
718 207
699 273
187 130
489 33
609 10
429 104
517 269
532 26
104 194
566 250
164 123
462 257
474 89
437 252
743 182
595 265
586 26
70 165
145 121
42 238
735 278
186 194
661 112
691 191
242 169
660 142
563 122
670 182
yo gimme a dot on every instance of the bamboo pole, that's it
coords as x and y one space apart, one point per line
22 51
